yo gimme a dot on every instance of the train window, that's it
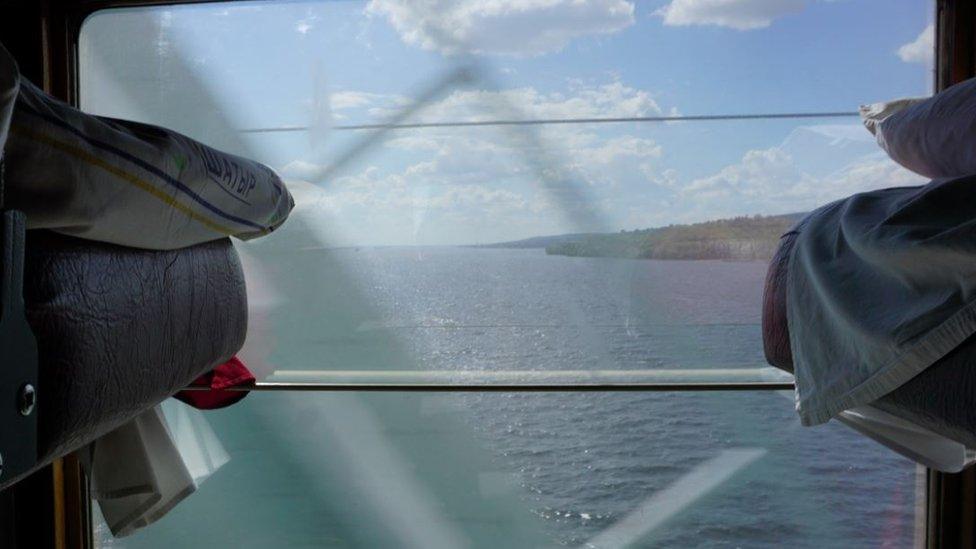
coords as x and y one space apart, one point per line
556 192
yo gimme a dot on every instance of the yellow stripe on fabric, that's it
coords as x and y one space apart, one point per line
85 156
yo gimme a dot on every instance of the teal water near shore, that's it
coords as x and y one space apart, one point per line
526 470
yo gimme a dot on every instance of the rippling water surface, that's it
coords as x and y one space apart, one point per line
586 460
578 463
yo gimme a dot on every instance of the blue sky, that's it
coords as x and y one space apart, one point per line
328 63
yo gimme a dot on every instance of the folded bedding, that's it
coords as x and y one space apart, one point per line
871 299
126 182
931 136
132 288
121 329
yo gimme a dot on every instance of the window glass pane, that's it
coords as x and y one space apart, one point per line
380 255
387 270
524 470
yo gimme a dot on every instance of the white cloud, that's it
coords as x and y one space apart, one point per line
759 172
812 166
922 49
307 23
870 174
455 185
463 155
583 101
837 134
451 185
770 181
382 192
300 169
349 99
512 27
735 14
414 142
496 200
625 146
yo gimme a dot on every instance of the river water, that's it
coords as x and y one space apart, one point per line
527 469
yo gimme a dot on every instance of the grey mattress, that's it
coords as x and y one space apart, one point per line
941 399
121 329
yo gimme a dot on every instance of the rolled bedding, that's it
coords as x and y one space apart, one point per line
131 287
121 329
931 136
125 182
869 300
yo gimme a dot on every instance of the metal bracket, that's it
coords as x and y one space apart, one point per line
18 355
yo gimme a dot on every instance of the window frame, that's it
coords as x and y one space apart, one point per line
947 519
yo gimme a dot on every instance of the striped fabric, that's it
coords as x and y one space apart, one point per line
128 183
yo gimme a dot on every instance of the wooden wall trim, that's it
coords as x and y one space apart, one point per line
955 42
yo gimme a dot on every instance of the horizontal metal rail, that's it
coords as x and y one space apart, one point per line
740 378
511 387
558 121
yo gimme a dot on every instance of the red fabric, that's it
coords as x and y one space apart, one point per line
232 373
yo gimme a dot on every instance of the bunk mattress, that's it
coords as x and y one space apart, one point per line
121 329
938 399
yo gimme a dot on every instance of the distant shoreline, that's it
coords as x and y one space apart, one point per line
752 238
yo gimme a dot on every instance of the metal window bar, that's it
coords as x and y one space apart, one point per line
560 121
510 387
448 381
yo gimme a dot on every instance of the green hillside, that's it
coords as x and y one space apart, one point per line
737 239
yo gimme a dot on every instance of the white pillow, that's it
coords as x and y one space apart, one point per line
131 184
934 136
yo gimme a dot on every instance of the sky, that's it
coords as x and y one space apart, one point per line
213 69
